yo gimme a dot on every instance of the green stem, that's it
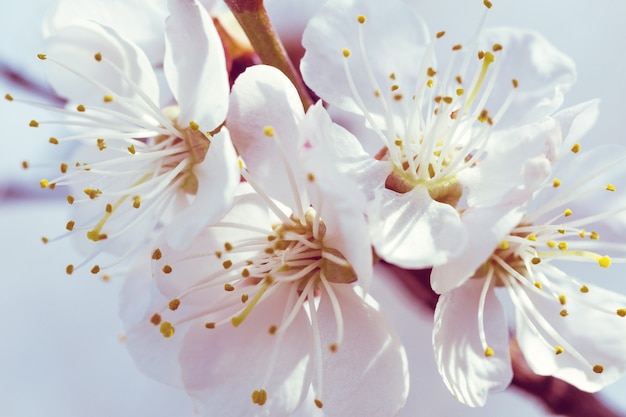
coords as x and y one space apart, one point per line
253 18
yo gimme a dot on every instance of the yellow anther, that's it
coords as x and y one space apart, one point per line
244 298
346 53
594 235
240 163
228 246
155 319
394 87
538 285
604 261
69 269
166 329
156 255
80 108
532 237
515 83
310 177
42 56
598 369
174 304
489 58
53 141
535 261
44 240
70 225
95 269
101 145
194 126
621 312
431 72
562 299
551 244
33 123
584 289
581 233
376 93
504 245
561 231
360 18
488 352
44 183
70 199
610 187
441 34
487 4
447 100
8 97
63 167
563 313
107 99
457 47
136 201
459 91
556 182
430 83
496 47
558 350
259 397
269 131
167 269
484 116
227 264
576 148
209 325
567 213
563 245
318 403
98 56
228 287
108 208
131 149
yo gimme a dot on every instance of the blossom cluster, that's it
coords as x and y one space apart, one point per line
252 222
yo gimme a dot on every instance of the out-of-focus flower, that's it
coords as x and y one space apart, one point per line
138 166
435 124
571 330
267 302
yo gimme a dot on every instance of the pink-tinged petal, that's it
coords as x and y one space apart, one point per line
369 355
195 66
543 72
412 230
591 329
263 119
75 47
145 28
514 167
222 367
218 178
467 372
487 228
576 122
336 27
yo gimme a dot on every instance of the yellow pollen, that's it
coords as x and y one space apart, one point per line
92 193
69 269
431 72
8 97
515 83
488 4
563 313
95 269
131 149
80 108
209 325
598 369
259 397
538 285
584 289
70 199
430 83
101 145
33 123
488 352
621 312
98 56
447 100
556 182
561 231
610 187
269 131
558 350
70 225
136 201
44 183
42 56
240 162
581 233
156 255
394 87
441 34
484 115
496 47
174 304
459 92
535 261
53 141
107 99
227 264
310 177
604 261
318 403
594 235
532 237
194 126
576 148
228 287
563 245
562 299
551 244
392 76
166 269
44 240
346 53
504 245
567 213
360 18
166 329
155 319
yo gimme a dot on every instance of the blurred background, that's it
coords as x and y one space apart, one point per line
61 343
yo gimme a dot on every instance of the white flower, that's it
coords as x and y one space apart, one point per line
138 166
571 330
264 303
435 122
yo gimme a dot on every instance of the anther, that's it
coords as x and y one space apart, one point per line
556 183
610 187
209 325
441 34
70 199
44 183
269 131
25 164
564 313
567 213
621 312
504 245
576 148
228 246
155 319
63 167
228 287
562 245
604 261
44 240
488 4
457 47
194 126
42 56
95 269
259 397
598 369
101 145
156 255
515 83
8 97
594 235
166 269
496 47
33 123
558 350
136 201
174 304
80 108
53 141
98 56
535 261
532 237
318 403
562 299
244 298
361 19
69 269
107 99
227 264
70 225
346 53
538 285
131 149
166 329
272 329
584 289
488 352
333 347
310 177
551 244
431 72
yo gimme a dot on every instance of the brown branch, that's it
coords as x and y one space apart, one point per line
557 396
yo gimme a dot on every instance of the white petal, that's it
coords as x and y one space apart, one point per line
195 65
222 367
263 96
576 121
335 28
370 355
414 231
465 369
76 45
218 177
